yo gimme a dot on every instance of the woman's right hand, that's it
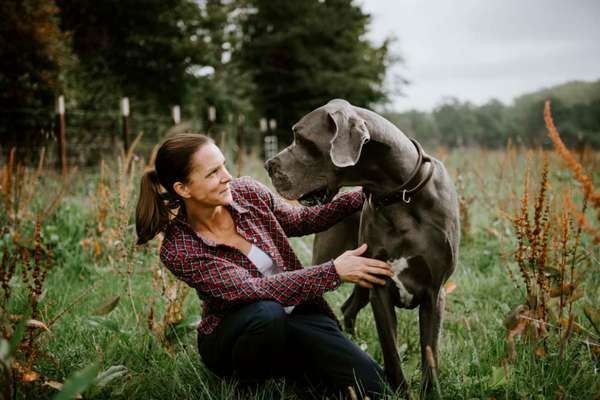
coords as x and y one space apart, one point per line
351 267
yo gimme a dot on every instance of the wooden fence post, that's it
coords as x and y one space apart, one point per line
60 135
239 162
125 119
212 117
263 127
176 114
271 146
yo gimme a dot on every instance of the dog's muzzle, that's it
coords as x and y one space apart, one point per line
281 181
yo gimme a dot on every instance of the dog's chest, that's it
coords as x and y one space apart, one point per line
394 237
404 295
390 232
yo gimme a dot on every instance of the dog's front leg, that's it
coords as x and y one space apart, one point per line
385 320
431 312
357 300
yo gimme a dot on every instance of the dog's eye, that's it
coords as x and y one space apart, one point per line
307 145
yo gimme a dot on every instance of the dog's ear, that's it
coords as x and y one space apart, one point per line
351 134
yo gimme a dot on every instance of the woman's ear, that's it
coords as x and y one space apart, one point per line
181 189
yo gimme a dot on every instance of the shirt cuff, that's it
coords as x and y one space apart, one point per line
354 198
332 275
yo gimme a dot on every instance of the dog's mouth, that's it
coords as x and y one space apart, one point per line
317 197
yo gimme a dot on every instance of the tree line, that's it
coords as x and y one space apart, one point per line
575 107
272 58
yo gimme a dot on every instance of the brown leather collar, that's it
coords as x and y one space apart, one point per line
405 192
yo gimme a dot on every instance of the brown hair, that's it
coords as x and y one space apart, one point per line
157 196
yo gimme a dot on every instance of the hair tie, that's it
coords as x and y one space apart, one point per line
171 200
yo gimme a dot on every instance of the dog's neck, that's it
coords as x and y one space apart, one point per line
387 160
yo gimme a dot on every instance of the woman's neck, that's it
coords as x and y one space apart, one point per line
213 220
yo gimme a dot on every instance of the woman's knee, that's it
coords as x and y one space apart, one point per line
266 314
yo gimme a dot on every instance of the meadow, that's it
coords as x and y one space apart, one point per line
85 312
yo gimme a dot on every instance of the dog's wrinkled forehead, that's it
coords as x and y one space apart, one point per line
318 122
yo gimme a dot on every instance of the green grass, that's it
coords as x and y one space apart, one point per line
472 359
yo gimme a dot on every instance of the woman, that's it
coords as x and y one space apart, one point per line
263 314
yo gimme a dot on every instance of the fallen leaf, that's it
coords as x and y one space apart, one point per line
493 232
515 330
26 373
97 248
30 376
450 286
577 294
54 384
565 289
540 352
114 372
107 307
513 318
34 323
593 316
171 292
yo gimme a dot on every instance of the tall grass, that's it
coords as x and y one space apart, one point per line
104 318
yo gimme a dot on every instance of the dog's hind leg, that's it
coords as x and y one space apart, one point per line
353 304
385 320
431 312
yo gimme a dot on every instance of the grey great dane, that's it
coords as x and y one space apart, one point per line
410 218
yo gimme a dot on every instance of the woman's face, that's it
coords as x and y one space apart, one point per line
208 181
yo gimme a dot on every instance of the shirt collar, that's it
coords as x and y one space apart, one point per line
237 207
234 206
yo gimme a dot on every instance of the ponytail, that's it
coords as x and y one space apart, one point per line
173 164
151 213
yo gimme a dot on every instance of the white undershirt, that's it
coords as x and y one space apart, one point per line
265 265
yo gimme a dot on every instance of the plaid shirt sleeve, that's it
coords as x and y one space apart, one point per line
298 220
218 278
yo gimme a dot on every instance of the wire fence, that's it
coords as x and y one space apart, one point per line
91 135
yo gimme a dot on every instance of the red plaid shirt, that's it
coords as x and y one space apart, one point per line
225 278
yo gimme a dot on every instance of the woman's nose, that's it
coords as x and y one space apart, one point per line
226 177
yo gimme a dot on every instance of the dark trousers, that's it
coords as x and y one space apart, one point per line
261 341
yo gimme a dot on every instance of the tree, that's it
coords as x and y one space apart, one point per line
32 53
226 85
416 124
495 124
144 50
457 122
301 54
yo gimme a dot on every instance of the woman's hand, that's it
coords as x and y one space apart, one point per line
361 270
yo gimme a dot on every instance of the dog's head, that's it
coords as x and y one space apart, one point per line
326 141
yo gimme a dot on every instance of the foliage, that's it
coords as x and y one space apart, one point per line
96 331
124 49
302 54
26 252
119 326
226 86
576 106
33 52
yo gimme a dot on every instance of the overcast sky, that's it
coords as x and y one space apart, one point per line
477 50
